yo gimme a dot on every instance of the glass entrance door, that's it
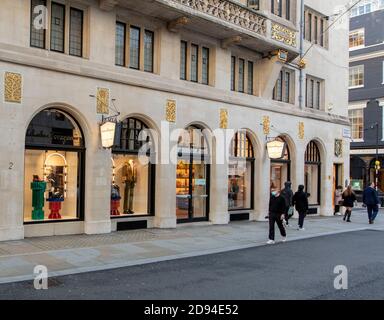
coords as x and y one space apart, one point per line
191 191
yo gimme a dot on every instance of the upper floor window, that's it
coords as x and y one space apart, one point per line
356 39
242 74
194 63
356 76
356 117
314 92
254 4
135 50
61 39
283 90
362 8
281 8
315 28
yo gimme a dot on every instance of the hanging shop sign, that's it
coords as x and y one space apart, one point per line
107 131
275 149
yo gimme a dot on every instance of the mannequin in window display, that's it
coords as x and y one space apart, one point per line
130 179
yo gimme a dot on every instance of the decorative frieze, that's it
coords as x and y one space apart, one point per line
12 87
223 119
229 12
170 111
102 101
283 34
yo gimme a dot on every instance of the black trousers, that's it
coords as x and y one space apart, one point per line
286 215
337 209
272 220
302 215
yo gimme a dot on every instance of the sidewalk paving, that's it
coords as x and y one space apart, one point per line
64 255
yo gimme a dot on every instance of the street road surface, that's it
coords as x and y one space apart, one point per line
294 270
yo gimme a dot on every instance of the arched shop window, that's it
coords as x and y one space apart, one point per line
241 172
281 168
54 168
133 185
192 176
313 173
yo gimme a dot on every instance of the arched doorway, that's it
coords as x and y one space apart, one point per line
192 176
241 173
312 173
133 174
54 168
281 168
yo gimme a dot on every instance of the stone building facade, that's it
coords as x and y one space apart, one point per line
157 66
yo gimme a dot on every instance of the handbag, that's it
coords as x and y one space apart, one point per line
290 212
341 202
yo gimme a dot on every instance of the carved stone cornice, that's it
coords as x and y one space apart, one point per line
229 12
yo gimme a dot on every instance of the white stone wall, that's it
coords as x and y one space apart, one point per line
57 80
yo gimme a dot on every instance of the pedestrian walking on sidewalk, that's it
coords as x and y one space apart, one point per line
371 200
300 201
277 210
287 194
338 200
349 199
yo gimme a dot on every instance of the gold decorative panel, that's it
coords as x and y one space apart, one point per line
283 34
338 148
266 125
102 101
301 130
223 119
170 111
12 87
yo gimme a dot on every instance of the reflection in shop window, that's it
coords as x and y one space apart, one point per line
240 172
312 173
281 168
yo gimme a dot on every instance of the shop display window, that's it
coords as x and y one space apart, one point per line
53 168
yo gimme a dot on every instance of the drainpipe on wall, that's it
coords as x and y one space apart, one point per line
301 78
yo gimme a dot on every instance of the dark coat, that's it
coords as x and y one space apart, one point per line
348 201
276 205
287 194
370 197
300 201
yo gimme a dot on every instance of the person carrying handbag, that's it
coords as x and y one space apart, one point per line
300 201
338 200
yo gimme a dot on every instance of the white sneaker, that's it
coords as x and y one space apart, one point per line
301 229
270 242
284 239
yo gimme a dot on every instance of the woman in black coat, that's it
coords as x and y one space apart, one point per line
349 199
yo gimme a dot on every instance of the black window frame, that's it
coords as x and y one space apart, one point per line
124 25
64 25
195 64
152 51
183 59
72 9
131 27
44 31
205 52
233 73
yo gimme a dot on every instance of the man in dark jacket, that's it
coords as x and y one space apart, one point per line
371 200
276 215
300 201
287 194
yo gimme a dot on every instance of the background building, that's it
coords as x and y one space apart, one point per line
366 83
173 64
